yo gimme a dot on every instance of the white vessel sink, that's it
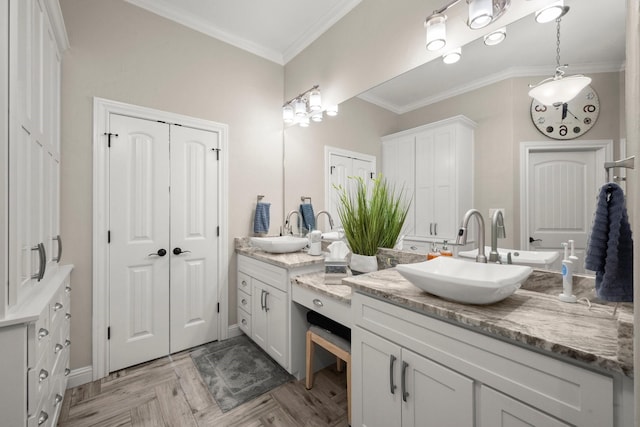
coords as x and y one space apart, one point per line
462 281
279 244
530 258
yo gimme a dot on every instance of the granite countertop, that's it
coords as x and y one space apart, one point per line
595 336
289 261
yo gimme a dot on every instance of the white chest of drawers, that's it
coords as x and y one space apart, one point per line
34 349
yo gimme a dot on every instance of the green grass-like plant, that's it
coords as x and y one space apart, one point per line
372 219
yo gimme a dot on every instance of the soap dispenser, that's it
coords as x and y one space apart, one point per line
445 251
434 253
567 277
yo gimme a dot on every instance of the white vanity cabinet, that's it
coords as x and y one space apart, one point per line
35 345
414 370
434 163
264 309
398 384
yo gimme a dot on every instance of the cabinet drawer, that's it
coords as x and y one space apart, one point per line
325 305
416 246
244 282
244 301
267 273
38 380
244 321
38 339
563 390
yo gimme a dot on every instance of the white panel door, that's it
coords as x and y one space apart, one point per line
275 302
139 223
444 181
562 197
437 396
425 184
340 170
258 313
194 237
375 380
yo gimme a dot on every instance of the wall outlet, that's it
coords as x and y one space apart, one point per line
492 210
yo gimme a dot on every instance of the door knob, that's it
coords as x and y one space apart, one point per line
161 252
178 251
531 240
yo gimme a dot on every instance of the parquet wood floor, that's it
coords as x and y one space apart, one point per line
170 392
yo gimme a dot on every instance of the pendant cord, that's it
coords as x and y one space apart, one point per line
558 43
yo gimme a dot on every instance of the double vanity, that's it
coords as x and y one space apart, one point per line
421 360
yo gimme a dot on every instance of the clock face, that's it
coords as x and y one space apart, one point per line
568 120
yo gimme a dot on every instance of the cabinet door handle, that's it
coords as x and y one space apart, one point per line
262 299
44 374
42 333
403 381
435 228
59 239
317 302
43 418
42 257
392 386
266 305
57 306
431 228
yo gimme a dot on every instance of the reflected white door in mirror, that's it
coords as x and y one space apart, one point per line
434 162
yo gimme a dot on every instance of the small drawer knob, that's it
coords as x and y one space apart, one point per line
44 374
57 306
67 343
57 348
43 418
67 289
67 316
317 302
67 371
57 399
42 333
244 321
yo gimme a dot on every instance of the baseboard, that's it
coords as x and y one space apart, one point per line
234 331
80 376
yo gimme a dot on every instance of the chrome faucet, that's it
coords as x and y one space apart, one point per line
328 216
288 228
497 232
462 233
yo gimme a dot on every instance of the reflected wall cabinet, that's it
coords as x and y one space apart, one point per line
434 163
35 297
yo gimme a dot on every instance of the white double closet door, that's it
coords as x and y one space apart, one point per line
163 246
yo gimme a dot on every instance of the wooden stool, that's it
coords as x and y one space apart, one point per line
335 345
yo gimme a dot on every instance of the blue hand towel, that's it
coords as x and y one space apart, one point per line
610 247
308 218
261 219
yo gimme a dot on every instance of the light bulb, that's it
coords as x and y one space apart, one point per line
495 37
551 12
332 110
300 108
304 122
452 57
287 113
436 31
317 116
315 102
480 13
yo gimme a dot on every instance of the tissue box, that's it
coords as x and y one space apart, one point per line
335 271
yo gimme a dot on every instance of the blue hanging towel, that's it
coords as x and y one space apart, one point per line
610 247
261 219
308 218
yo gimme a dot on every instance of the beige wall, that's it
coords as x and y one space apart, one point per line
357 128
123 53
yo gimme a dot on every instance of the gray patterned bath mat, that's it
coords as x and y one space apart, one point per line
237 370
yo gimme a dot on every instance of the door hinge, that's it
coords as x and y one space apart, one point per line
218 231
109 135
331 168
217 150
218 307
108 332
108 236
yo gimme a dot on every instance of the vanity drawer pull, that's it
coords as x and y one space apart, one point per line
67 289
392 386
57 348
67 371
414 248
44 374
42 333
67 316
43 418
57 399
244 301
57 306
244 283
317 302
244 322
67 343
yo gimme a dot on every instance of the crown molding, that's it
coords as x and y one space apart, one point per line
201 25
316 30
509 73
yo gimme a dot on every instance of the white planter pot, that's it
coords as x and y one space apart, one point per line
363 263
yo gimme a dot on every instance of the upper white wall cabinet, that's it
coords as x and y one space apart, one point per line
434 163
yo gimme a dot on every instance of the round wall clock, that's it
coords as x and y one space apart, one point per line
568 120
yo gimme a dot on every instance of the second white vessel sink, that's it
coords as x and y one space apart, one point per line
280 244
538 259
465 282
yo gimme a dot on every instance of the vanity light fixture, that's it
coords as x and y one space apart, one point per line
551 12
305 107
495 37
559 89
453 56
481 14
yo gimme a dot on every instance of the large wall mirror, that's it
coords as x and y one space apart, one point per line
489 85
